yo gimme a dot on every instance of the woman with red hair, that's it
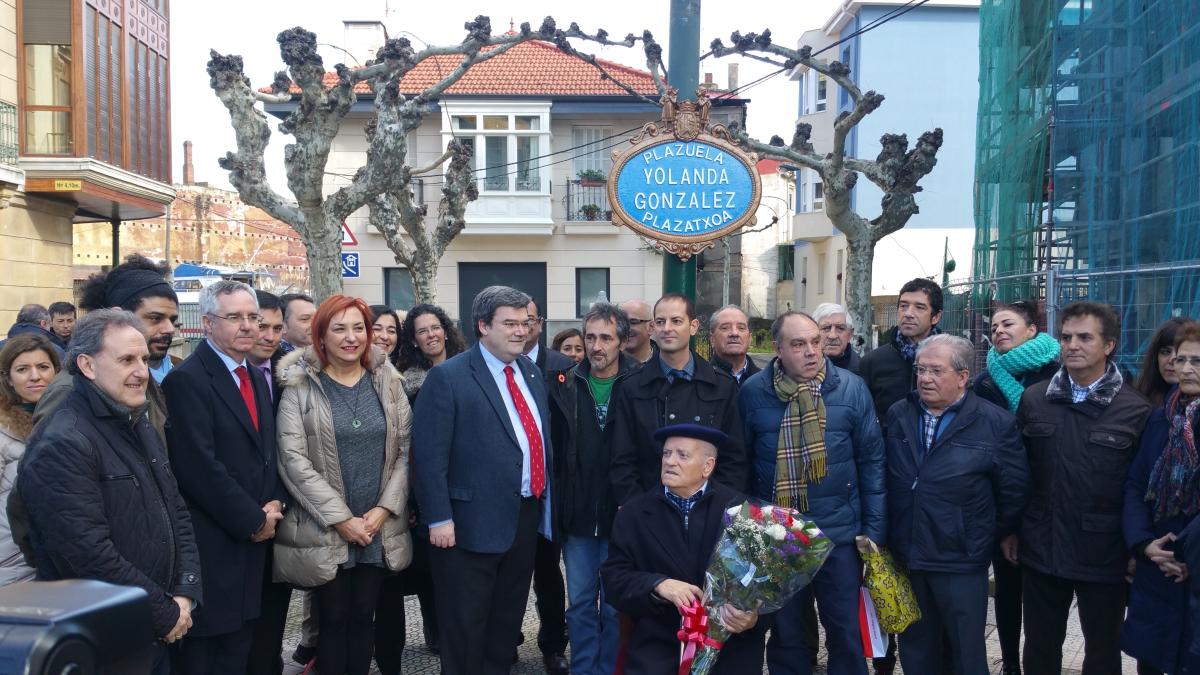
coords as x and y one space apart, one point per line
344 426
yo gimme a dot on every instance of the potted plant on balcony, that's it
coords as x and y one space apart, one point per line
590 211
592 178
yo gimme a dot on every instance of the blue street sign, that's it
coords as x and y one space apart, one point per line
686 190
349 265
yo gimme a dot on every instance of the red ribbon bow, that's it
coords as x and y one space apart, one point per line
694 634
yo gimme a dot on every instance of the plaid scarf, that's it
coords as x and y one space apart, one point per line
908 348
800 457
1173 488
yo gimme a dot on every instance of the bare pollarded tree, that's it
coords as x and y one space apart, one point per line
384 182
314 124
418 244
896 171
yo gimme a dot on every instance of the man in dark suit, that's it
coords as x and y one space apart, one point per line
221 439
481 468
548 583
265 656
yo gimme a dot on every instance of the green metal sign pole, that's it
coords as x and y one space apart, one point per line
683 68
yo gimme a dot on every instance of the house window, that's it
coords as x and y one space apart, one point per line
822 88
591 153
786 264
838 294
48 100
591 285
818 200
398 290
805 97
513 149
822 259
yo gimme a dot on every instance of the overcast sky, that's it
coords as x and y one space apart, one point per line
249 27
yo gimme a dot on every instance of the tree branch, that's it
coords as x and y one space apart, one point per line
247 171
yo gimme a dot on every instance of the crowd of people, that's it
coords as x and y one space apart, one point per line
344 456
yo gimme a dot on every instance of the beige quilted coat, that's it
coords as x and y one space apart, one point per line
308 549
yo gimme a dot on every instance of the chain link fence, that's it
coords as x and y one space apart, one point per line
1144 297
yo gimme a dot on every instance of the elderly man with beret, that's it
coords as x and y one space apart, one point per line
661 544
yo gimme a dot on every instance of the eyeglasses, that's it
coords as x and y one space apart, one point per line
1181 361
638 322
931 371
253 319
513 325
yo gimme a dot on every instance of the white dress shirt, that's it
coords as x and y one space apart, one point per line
496 368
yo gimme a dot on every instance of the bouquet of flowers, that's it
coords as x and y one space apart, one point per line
764 557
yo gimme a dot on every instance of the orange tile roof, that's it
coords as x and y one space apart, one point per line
532 68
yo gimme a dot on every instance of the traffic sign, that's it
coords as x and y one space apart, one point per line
348 238
349 265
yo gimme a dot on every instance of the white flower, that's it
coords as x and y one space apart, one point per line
767 511
777 531
734 510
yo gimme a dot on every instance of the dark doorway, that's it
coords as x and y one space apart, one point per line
474 277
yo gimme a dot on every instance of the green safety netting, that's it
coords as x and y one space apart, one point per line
1088 159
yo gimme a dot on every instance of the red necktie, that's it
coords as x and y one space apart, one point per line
247 394
537 469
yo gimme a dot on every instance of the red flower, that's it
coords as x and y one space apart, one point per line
755 512
561 378
803 538
787 518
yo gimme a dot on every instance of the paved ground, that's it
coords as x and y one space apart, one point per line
419 660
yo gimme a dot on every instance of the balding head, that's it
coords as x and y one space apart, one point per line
641 318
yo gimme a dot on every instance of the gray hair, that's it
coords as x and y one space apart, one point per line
33 313
606 312
492 298
962 352
88 337
209 295
712 318
828 309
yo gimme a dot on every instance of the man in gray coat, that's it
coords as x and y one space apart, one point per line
481 469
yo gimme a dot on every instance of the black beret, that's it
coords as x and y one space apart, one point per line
697 431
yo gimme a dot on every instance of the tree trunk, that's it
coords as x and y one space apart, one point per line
424 279
324 261
860 257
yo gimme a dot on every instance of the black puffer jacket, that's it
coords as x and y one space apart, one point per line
888 374
102 504
1079 456
648 402
946 505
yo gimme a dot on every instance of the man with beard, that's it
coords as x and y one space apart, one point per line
580 429
641 326
729 335
138 285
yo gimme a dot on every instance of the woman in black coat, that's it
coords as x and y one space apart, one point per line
1020 356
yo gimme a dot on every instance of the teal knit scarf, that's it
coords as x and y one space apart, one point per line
1006 368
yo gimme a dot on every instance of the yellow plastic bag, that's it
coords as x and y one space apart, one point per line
891 591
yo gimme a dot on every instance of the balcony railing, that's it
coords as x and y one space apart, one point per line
587 201
9 147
